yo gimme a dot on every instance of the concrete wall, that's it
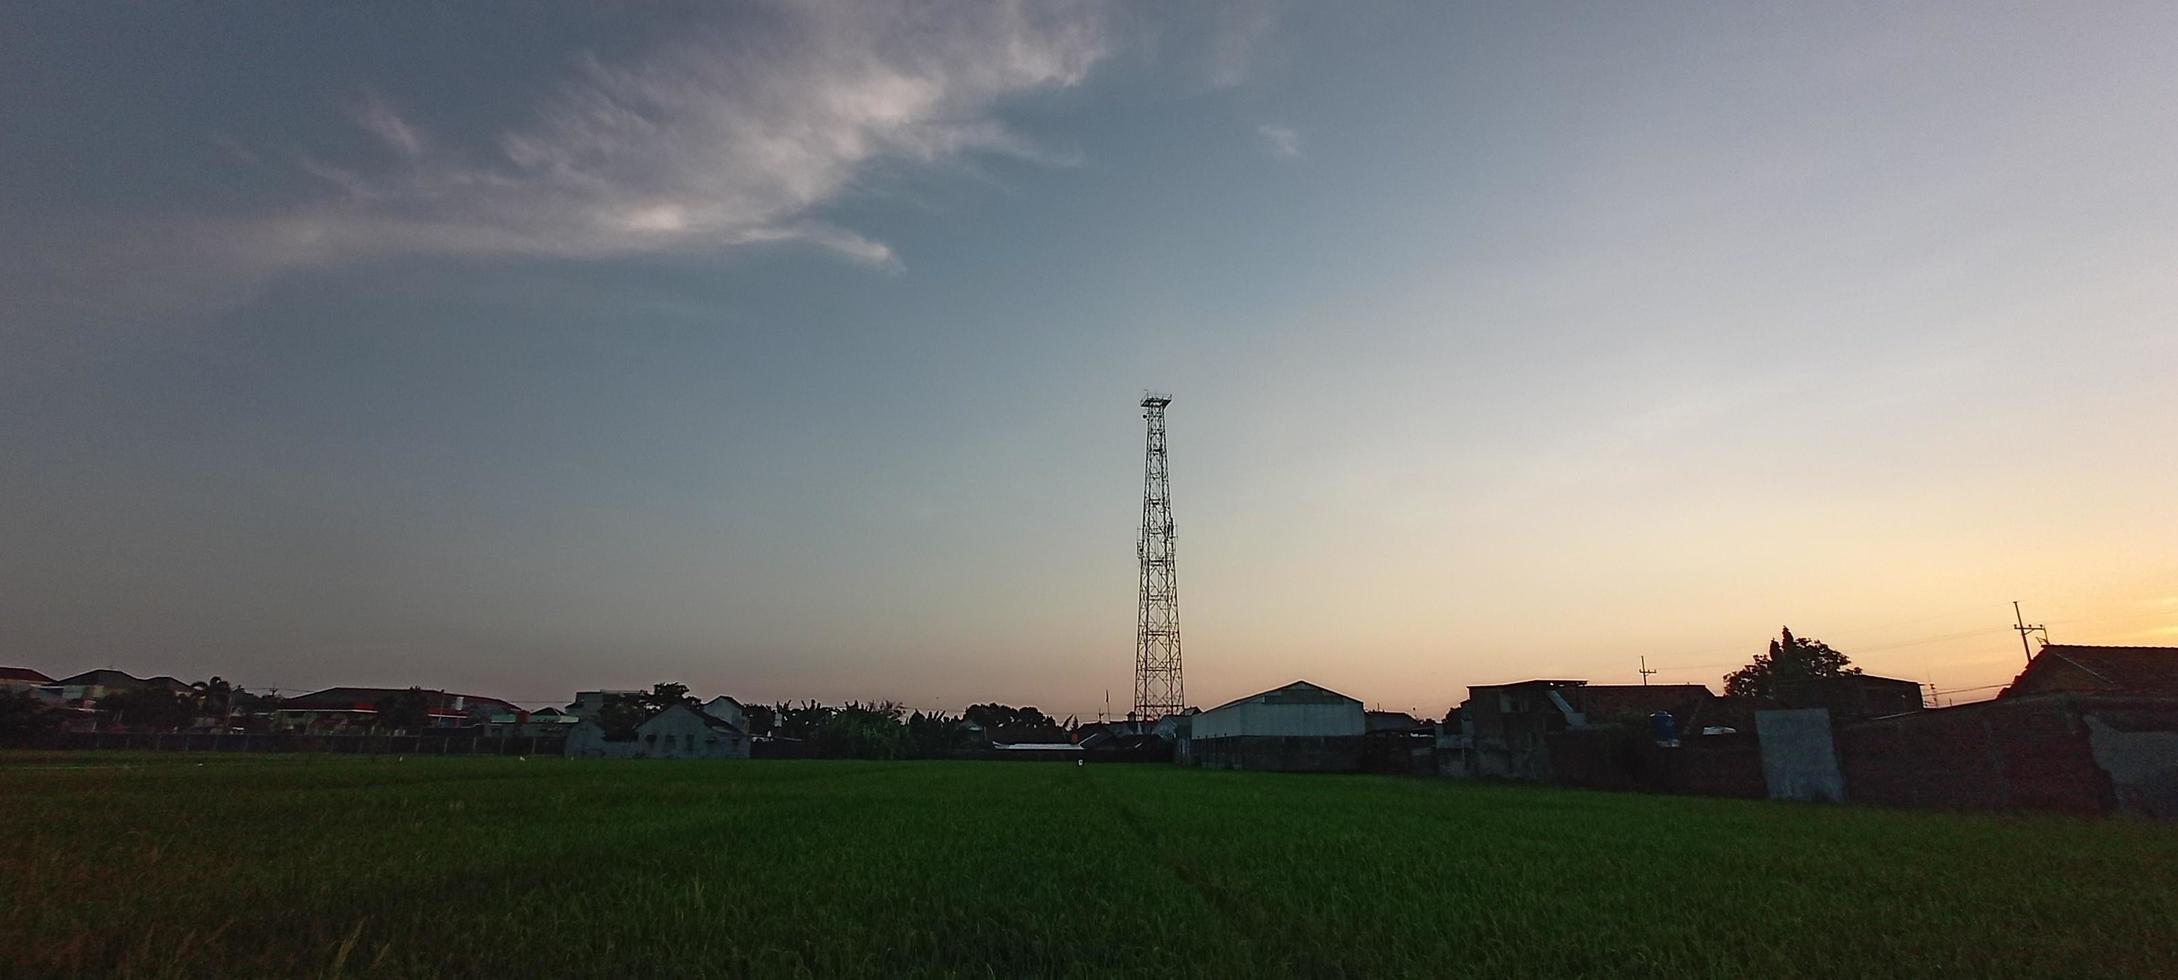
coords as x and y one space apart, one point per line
2142 762
1799 761
2086 754
1315 720
1279 753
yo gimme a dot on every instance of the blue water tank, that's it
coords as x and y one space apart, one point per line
1664 728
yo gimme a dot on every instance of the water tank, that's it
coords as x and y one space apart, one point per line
1663 728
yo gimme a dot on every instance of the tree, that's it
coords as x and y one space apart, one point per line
623 713
1784 671
151 708
214 698
24 718
1006 716
404 711
802 722
663 695
761 718
863 731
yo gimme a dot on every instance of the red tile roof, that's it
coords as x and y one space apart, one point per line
2072 667
1604 702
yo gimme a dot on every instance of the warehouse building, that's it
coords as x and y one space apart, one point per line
1298 727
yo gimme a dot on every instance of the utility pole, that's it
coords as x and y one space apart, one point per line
1645 672
1158 689
2023 627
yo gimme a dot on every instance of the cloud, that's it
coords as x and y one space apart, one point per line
1281 141
381 121
1237 33
717 139
720 135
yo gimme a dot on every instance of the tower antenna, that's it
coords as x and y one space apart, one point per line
1158 688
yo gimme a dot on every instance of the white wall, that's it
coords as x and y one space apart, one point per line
1252 718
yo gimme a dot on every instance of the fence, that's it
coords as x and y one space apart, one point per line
452 744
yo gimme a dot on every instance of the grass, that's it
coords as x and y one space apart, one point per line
136 866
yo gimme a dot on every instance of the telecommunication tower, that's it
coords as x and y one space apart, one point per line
1158 689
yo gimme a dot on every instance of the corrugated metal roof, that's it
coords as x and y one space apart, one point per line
1298 692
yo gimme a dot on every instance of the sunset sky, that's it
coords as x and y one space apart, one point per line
791 350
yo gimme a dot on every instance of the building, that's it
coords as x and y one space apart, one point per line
1853 696
542 723
587 704
356 709
85 689
1508 727
678 732
1394 721
1298 727
1039 736
728 710
22 679
2080 669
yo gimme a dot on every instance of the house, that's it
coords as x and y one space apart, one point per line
1298 727
728 710
22 679
1853 696
1041 736
545 722
1509 725
1393 721
85 689
356 708
678 732
587 704
2074 668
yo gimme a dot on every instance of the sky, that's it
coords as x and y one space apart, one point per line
792 350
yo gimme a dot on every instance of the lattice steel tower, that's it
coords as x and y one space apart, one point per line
1158 690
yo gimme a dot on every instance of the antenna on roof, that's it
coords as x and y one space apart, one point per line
2023 627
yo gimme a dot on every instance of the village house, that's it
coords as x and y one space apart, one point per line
545 722
588 704
85 689
2073 668
728 710
678 732
22 679
336 709
1506 727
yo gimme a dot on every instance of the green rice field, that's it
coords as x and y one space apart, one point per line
228 866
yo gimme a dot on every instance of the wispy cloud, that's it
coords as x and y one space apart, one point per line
1281 141
711 140
717 136
381 121
1237 34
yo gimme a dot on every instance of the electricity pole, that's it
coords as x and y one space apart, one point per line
2023 627
1645 672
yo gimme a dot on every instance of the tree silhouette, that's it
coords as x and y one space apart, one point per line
404 711
1783 671
24 718
151 708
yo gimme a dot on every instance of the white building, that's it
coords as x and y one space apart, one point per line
728 710
1296 727
678 732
